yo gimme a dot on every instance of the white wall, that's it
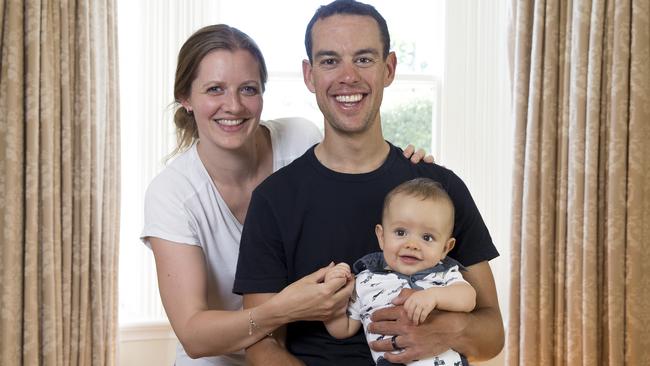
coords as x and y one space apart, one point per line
146 344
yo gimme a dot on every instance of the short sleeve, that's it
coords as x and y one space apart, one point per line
165 216
453 275
354 307
473 241
262 265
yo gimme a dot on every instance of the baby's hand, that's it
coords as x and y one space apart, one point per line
419 305
341 270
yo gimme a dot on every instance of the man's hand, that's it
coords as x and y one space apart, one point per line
426 340
477 335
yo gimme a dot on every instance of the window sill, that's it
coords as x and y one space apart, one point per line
146 331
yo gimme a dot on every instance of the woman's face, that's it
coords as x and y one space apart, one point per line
226 98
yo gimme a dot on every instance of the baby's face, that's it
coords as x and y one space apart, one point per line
415 233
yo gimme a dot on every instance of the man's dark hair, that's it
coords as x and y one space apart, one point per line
349 7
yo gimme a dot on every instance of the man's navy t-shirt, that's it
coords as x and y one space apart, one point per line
305 216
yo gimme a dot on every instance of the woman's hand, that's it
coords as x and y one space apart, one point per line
417 156
313 298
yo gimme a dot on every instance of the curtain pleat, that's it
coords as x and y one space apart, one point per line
59 144
582 171
12 174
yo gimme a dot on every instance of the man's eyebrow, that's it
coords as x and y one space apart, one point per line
326 54
372 51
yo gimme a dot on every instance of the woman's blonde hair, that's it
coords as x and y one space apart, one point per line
198 45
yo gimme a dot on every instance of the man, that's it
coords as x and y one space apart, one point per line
324 206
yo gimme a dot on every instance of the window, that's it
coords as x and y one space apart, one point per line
150 34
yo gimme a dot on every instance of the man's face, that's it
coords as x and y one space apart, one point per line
348 73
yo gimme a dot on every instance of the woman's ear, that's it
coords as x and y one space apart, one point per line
186 105
379 231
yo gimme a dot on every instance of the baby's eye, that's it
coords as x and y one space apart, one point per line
400 232
427 237
249 90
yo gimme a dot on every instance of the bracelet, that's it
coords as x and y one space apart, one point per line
252 326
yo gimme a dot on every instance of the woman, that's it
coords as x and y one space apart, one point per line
194 209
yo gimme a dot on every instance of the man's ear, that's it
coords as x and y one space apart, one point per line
379 231
449 245
307 75
391 65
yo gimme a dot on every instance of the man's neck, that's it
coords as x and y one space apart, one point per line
352 154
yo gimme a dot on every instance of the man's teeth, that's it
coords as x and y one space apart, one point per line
349 98
229 122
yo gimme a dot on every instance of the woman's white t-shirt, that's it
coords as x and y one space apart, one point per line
183 205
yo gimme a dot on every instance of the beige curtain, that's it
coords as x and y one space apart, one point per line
59 182
580 289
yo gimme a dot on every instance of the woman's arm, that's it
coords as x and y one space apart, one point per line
318 301
182 281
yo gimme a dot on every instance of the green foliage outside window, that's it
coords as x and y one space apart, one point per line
409 123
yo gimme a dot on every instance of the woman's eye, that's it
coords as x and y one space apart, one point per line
249 90
215 89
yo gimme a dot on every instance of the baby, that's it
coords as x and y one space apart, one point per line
415 237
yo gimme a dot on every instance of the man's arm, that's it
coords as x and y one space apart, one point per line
477 335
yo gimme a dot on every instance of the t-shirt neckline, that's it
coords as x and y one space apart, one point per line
393 154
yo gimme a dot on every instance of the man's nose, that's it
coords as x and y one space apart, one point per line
349 73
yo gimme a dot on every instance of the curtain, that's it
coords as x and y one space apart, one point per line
581 205
59 176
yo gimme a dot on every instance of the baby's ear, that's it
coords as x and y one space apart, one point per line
379 231
450 245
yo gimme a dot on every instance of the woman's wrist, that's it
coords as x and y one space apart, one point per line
269 315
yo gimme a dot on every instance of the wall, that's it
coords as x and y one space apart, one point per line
146 344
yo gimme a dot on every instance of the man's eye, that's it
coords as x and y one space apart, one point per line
365 61
328 62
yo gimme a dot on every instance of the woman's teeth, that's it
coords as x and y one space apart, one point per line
229 122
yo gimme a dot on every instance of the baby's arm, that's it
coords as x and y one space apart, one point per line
458 296
340 326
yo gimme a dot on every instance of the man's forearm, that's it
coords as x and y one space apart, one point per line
270 352
482 337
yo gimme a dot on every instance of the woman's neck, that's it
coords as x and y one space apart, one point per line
238 167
